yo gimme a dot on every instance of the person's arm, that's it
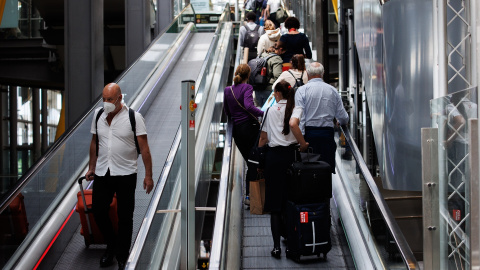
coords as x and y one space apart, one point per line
261 44
241 34
341 114
248 102
147 161
225 104
305 77
261 30
267 12
281 77
263 139
295 129
277 69
306 47
92 163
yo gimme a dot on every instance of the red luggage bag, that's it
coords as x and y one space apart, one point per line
90 230
13 222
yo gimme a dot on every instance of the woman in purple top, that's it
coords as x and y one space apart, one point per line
239 107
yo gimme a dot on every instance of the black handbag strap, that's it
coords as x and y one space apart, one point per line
261 126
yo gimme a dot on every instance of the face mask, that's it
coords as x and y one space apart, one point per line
109 107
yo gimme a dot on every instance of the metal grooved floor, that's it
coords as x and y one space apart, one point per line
257 244
162 121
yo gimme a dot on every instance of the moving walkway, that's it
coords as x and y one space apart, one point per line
152 86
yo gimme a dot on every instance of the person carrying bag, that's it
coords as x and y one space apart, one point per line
257 188
278 158
239 107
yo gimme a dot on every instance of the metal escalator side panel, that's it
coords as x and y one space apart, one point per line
41 234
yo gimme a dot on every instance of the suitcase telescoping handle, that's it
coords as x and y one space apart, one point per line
306 157
85 208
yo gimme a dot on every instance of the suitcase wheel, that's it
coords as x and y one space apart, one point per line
324 256
293 256
86 243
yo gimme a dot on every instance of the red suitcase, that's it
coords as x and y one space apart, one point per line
13 222
90 230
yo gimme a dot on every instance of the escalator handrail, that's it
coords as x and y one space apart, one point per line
202 77
219 233
403 247
6 199
33 234
152 208
218 239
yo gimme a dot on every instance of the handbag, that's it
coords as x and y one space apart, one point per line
257 195
256 157
281 15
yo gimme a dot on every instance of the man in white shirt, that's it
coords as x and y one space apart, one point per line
114 167
316 105
271 11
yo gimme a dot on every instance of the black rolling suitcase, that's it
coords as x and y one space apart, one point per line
308 230
310 181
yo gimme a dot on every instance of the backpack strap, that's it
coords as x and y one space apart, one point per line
296 79
294 75
96 129
133 123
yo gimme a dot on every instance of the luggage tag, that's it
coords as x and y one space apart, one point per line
303 217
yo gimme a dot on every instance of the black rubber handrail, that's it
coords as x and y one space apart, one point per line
403 247
6 199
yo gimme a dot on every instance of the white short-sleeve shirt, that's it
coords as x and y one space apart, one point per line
273 126
116 143
274 5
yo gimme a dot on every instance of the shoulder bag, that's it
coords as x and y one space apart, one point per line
256 156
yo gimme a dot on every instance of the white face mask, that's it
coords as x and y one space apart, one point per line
109 107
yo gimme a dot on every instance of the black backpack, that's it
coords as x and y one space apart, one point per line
251 38
133 123
298 81
257 77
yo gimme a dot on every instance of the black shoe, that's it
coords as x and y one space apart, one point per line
121 265
107 259
276 252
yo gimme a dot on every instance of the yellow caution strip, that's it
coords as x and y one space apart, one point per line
61 121
2 8
335 8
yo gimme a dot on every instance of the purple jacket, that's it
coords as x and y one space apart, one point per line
243 93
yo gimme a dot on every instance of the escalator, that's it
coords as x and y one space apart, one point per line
152 86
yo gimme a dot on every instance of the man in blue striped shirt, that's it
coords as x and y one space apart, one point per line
316 105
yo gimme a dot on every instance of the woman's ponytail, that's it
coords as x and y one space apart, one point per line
289 94
241 74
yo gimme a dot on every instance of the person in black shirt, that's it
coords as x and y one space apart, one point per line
294 42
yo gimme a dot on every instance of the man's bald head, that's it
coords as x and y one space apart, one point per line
112 89
113 94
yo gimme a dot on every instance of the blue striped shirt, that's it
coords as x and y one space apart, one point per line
317 103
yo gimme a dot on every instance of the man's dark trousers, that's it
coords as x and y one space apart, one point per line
322 141
104 187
